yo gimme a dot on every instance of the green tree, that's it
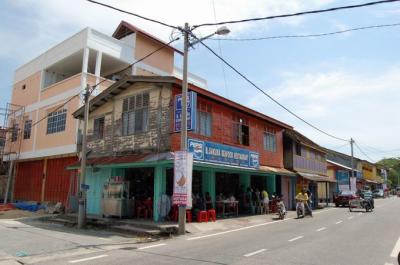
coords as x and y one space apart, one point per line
393 166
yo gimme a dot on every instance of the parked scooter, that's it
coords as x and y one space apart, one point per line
281 208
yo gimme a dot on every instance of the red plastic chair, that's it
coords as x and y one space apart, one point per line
202 216
188 216
211 215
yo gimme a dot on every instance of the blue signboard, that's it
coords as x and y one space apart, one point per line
191 111
223 154
342 177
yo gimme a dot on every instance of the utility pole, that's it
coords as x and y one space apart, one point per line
182 209
82 186
352 162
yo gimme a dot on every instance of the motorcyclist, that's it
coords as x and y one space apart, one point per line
301 199
367 195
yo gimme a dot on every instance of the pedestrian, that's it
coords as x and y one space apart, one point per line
308 204
265 197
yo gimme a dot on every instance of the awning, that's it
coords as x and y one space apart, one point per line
127 159
315 177
341 165
278 171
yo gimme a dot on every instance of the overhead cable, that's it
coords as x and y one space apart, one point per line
133 14
265 93
307 35
297 14
368 157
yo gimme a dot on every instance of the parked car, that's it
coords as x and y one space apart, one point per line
343 197
378 193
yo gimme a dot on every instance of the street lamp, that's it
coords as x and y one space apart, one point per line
186 31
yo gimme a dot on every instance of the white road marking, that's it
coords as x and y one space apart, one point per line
251 226
396 249
296 238
339 222
86 259
359 213
320 229
152 246
350 217
238 229
388 263
254 253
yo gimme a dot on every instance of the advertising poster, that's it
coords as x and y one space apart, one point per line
191 111
183 168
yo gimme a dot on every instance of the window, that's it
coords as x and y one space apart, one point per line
56 121
23 87
98 128
204 119
298 149
204 123
14 132
270 141
27 129
135 114
241 131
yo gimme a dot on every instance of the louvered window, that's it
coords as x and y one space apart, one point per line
135 114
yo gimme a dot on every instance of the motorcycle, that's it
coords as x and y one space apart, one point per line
281 209
300 209
360 203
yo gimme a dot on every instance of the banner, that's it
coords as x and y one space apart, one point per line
191 111
183 168
223 154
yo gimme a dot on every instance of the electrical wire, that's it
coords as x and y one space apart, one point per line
307 35
265 93
133 14
297 14
368 157
220 52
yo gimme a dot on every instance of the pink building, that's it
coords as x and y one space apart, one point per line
44 141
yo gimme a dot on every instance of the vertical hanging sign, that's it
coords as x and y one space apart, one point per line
183 167
191 111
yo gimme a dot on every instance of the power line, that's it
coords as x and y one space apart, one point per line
307 35
265 93
359 148
133 14
296 14
220 52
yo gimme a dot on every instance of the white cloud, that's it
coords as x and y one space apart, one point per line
342 102
53 21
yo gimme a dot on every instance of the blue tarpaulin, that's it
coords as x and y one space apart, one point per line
32 207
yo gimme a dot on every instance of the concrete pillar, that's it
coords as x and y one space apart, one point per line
97 72
208 183
245 180
85 63
271 184
160 181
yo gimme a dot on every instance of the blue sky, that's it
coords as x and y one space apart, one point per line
347 84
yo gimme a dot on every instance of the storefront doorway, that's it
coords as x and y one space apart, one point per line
141 182
227 184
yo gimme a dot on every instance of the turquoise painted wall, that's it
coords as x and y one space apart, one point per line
96 180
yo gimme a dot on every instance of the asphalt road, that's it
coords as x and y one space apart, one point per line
332 237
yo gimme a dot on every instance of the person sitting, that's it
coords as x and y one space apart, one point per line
301 199
367 195
208 201
232 205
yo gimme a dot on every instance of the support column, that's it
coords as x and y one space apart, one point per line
97 72
208 183
85 63
160 181
271 184
293 192
44 177
245 180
